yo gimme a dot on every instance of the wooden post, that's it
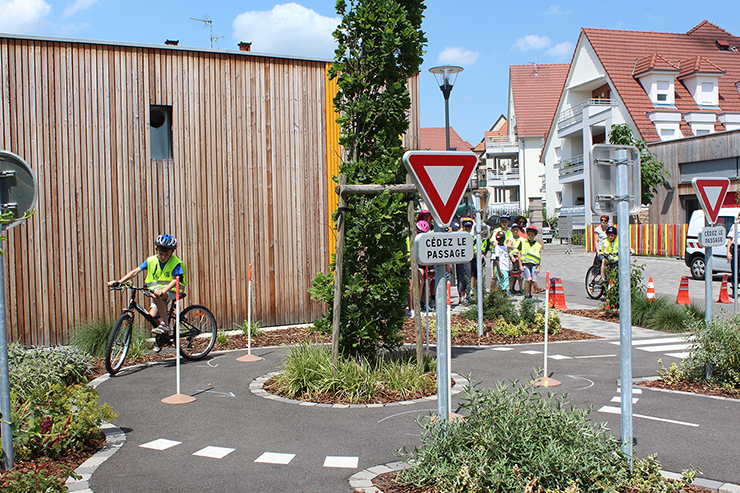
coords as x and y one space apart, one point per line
415 285
338 275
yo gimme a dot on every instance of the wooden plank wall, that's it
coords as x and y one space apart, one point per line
246 185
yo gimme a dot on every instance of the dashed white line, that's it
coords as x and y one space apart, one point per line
341 462
616 410
214 452
160 444
275 458
618 399
531 351
596 356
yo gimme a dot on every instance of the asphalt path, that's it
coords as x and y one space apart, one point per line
685 430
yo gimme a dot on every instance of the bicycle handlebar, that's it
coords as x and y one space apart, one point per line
117 286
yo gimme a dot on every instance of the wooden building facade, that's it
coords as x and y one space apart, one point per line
232 152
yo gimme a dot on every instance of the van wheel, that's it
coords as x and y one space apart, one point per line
698 268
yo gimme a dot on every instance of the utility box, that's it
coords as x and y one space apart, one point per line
604 162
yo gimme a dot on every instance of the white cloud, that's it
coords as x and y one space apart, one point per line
287 29
77 6
532 42
453 55
561 51
555 10
23 16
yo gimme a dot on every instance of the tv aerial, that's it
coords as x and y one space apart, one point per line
208 22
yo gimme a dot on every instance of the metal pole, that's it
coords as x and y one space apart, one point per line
708 302
734 260
625 305
7 441
426 280
443 370
447 120
479 262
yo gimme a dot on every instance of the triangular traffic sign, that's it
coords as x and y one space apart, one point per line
441 178
711 193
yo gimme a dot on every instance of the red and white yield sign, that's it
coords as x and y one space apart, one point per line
711 193
441 178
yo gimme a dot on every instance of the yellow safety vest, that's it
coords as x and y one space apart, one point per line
158 277
530 252
611 248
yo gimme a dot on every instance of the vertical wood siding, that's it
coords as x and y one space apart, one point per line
247 183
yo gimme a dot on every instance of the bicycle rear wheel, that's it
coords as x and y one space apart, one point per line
119 342
198 332
594 289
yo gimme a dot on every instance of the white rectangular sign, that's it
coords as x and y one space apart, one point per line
712 236
444 248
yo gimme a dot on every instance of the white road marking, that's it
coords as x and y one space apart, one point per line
503 348
224 394
214 452
616 410
275 458
678 355
406 412
618 399
160 444
209 364
634 390
670 347
596 356
531 352
657 340
576 377
559 357
341 462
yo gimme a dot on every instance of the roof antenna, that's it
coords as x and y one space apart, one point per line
208 22
536 57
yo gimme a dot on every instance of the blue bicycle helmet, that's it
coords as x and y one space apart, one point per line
166 241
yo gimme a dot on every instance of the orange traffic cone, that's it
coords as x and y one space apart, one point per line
723 296
557 294
683 292
651 290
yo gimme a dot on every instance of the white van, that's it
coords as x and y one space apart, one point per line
694 257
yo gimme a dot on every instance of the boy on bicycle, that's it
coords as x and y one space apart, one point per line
162 271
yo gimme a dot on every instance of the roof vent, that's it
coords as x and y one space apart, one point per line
172 42
244 46
723 45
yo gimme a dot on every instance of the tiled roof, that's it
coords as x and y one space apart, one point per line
698 64
618 52
435 139
536 92
653 61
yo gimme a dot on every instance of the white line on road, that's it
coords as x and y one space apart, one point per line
678 355
596 356
657 340
616 410
406 412
656 349
576 377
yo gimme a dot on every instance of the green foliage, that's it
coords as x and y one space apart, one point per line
515 439
380 46
221 338
578 238
652 172
52 419
716 344
495 305
307 371
38 480
255 328
499 307
91 336
52 365
611 286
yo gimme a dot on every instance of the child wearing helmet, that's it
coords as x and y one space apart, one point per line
502 265
609 250
162 271
529 256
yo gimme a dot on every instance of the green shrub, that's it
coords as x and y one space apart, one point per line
54 419
495 305
256 328
91 336
61 365
515 439
716 344
39 479
307 372
670 318
611 286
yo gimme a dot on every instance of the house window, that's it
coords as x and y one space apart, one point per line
707 90
662 97
667 132
160 131
702 132
662 89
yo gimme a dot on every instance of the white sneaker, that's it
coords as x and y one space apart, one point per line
162 329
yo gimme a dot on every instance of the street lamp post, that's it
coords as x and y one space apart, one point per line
446 75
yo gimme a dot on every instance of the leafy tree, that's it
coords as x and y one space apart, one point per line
380 47
652 172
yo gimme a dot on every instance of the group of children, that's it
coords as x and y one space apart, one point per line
517 256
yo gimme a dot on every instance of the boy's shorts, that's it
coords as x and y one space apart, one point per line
503 280
529 271
170 297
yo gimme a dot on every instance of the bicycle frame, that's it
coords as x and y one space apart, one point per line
134 305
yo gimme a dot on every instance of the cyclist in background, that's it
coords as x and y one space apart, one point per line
162 271
609 250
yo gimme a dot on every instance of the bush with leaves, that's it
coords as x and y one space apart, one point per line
717 346
380 46
611 286
514 438
60 364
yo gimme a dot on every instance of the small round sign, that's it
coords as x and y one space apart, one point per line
18 187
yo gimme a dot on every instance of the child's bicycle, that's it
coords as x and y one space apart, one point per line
198 330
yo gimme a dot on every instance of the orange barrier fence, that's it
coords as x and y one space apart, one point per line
651 239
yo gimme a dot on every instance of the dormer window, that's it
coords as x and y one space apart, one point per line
701 78
661 93
657 77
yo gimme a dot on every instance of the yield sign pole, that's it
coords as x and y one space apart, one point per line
441 178
711 194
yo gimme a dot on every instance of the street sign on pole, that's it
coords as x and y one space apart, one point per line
711 194
441 178
444 248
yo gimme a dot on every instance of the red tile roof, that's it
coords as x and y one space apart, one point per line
536 92
698 64
652 62
618 52
435 139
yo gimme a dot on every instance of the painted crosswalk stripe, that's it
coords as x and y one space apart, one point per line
160 444
214 452
559 357
616 410
341 462
678 355
275 458
656 349
634 391
503 349
531 352
618 399
657 340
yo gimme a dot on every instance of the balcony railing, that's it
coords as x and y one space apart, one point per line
500 141
498 175
571 165
574 114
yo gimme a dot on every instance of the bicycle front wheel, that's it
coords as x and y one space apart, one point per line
119 342
594 289
198 332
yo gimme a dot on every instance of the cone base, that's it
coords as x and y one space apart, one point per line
545 382
249 358
178 399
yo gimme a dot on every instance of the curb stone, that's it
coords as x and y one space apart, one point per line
114 440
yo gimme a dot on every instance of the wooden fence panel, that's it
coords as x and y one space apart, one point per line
667 240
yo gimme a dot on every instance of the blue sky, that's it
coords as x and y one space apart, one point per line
484 37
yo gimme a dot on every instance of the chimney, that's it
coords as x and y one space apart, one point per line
172 42
243 46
